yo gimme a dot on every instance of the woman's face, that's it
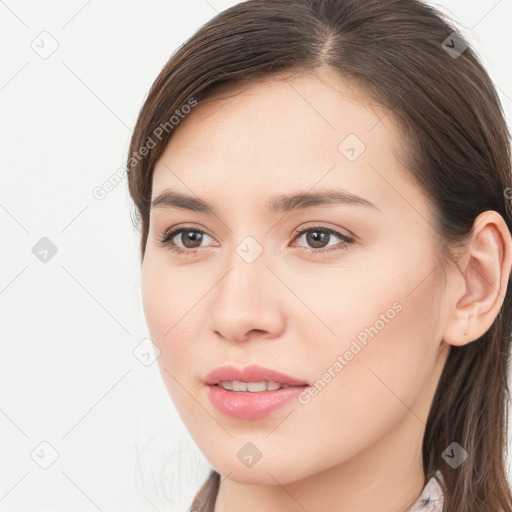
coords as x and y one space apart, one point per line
357 316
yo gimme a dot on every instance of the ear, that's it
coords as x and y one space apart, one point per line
479 284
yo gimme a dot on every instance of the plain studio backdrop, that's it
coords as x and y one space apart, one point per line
86 423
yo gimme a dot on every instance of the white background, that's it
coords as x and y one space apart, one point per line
68 374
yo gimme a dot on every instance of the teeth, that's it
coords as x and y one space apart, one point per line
252 387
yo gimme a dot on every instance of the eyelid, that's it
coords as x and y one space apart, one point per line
324 225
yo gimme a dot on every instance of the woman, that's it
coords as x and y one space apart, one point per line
323 190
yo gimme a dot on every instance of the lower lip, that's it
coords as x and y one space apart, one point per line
251 406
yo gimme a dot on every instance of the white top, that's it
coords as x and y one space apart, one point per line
431 499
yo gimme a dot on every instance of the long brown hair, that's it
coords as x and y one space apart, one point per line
455 143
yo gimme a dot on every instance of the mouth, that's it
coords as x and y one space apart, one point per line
252 392
251 379
237 386
252 400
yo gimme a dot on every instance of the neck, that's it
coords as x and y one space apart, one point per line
388 477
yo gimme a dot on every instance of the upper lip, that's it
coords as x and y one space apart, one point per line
253 373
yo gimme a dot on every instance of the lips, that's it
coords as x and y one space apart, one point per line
253 373
251 405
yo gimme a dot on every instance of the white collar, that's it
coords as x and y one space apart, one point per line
431 498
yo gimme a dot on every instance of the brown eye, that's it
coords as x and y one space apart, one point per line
190 238
318 236
183 239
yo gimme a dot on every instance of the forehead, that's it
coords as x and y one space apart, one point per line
284 133
280 111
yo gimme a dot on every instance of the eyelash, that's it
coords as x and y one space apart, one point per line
165 240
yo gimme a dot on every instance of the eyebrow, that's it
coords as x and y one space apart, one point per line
283 203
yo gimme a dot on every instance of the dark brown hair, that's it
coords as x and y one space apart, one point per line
455 143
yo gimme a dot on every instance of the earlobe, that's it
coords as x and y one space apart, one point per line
485 271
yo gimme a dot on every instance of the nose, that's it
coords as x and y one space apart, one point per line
247 302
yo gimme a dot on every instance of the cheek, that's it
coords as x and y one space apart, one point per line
173 313
166 298
380 292
371 372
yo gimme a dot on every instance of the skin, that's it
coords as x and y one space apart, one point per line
356 446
